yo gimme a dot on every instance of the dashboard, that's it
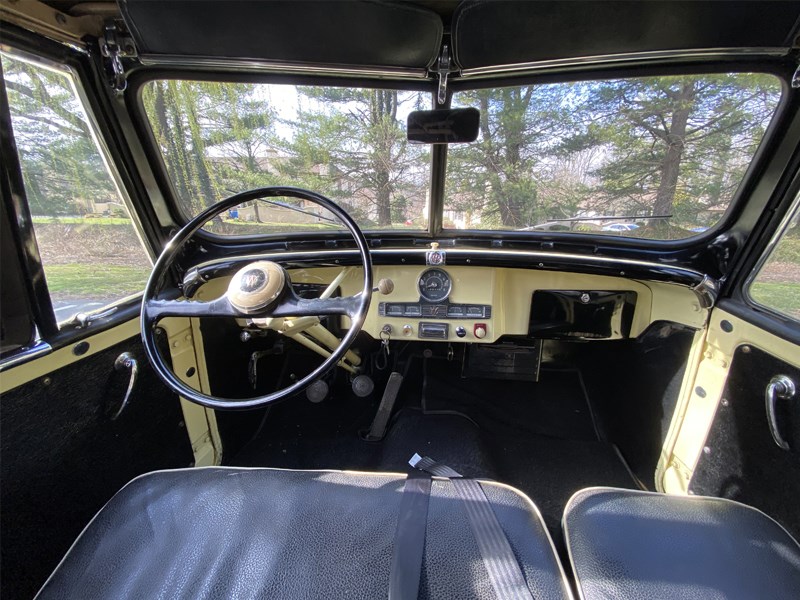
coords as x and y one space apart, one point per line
481 304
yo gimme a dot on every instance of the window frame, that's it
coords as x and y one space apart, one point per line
75 63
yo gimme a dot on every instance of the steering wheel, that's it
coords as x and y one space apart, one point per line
259 289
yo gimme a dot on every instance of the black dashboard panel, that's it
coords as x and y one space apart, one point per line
575 314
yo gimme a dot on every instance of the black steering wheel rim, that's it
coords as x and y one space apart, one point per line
167 259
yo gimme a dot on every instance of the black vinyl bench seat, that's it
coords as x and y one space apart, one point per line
626 544
271 533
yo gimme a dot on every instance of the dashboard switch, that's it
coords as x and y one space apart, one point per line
461 332
479 330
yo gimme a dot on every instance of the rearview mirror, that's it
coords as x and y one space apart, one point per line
443 126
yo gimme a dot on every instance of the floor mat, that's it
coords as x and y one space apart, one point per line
556 406
548 470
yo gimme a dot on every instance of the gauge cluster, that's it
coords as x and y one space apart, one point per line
434 285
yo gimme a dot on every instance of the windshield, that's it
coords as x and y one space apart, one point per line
349 144
648 157
653 157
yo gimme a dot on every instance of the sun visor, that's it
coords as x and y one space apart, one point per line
490 33
348 33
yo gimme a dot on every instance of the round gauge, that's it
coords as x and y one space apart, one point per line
434 285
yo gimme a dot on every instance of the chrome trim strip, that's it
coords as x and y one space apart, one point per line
694 54
194 276
274 66
283 256
25 355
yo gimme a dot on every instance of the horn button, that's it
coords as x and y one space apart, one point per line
255 286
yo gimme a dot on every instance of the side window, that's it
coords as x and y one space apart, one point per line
91 252
777 284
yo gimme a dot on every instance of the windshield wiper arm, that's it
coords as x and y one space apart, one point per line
294 208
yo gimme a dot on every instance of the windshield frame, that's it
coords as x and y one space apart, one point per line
778 67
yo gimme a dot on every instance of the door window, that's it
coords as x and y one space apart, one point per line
777 285
90 249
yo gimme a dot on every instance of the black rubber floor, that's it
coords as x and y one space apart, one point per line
538 437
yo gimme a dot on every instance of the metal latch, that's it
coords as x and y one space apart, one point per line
114 47
780 387
443 71
83 320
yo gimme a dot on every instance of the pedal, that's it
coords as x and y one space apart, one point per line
377 430
317 391
363 386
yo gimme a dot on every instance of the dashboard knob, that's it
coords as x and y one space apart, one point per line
480 330
461 332
386 286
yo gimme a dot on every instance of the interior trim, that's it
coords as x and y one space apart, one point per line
618 59
47 362
702 285
24 355
694 414
281 67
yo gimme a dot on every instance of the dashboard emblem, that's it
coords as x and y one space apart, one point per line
253 280
436 257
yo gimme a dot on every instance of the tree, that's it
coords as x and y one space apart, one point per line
216 138
350 144
497 175
674 142
61 166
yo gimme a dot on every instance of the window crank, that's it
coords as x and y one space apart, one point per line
126 361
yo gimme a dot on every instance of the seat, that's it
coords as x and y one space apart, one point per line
271 533
629 544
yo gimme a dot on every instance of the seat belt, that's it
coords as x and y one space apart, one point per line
498 556
409 538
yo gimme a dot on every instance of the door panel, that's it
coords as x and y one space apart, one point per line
740 459
716 377
63 455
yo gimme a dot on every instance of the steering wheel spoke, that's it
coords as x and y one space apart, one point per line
155 310
294 306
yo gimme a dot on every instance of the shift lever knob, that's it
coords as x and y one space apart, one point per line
386 286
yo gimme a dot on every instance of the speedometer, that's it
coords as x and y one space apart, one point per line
434 285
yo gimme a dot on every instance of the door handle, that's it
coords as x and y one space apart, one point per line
126 361
783 388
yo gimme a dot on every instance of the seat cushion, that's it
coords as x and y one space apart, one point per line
270 533
629 544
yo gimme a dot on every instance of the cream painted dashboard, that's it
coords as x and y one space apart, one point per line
508 291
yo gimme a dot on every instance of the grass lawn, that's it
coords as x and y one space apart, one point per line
784 297
82 220
95 281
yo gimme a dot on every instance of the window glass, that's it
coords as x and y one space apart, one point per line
651 157
90 250
349 144
777 285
